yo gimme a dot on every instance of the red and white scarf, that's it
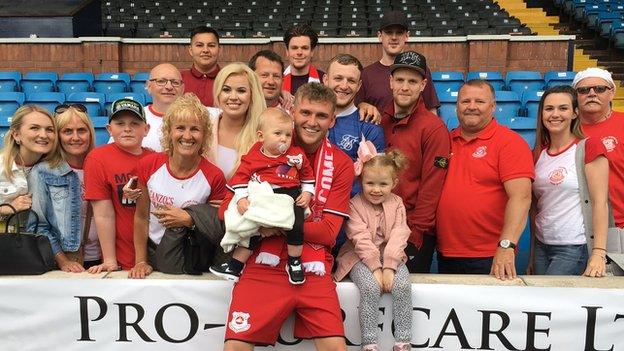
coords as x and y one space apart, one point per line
313 256
313 76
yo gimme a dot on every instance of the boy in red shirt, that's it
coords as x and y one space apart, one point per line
106 170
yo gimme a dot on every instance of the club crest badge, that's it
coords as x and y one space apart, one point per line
557 176
239 322
481 151
610 142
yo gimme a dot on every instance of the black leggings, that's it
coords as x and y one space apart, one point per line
295 235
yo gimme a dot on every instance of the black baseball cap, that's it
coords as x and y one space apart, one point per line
393 18
410 59
128 105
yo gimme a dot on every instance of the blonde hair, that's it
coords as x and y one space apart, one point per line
394 159
11 147
273 115
247 136
63 119
186 107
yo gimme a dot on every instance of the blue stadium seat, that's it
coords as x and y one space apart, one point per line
523 126
606 21
447 81
448 105
111 83
10 101
48 100
94 102
101 134
530 103
110 98
494 78
451 123
554 78
137 84
617 34
520 81
9 81
38 82
148 99
75 82
507 104
5 123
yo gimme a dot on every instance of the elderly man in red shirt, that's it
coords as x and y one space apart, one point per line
487 193
410 127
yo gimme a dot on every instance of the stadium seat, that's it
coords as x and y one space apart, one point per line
554 78
606 21
74 82
451 123
101 134
5 123
520 81
137 83
507 104
447 81
448 104
94 102
521 125
530 103
617 35
109 83
494 78
48 100
110 98
10 101
9 81
35 82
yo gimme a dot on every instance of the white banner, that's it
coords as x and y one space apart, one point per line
110 314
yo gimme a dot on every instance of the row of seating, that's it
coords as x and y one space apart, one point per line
96 103
517 81
604 17
328 17
522 125
106 83
508 104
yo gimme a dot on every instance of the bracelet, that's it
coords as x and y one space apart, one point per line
599 248
138 263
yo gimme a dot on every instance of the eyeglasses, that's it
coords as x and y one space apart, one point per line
599 89
161 82
64 107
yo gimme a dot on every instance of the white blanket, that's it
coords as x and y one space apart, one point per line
266 209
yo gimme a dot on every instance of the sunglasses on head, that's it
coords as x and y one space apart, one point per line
64 107
599 89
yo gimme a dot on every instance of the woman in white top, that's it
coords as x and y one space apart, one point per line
559 238
238 94
31 136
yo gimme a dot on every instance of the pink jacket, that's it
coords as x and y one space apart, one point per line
361 229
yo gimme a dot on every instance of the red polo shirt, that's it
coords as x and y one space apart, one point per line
471 211
200 84
424 139
611 133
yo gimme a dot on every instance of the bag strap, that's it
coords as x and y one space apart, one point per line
19 225
586 208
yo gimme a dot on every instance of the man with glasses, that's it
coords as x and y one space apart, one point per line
204 51
164 85
596 89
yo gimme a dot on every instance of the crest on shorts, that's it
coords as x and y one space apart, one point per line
239 322
610 142
557 176
481 151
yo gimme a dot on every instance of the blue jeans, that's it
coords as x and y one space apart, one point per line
464 265
559 259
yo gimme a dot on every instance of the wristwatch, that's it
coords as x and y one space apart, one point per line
506 244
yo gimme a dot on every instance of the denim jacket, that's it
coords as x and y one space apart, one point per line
57 199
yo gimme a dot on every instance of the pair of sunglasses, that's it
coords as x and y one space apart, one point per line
599 89
64 107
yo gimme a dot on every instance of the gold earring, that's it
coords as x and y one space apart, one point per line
18 142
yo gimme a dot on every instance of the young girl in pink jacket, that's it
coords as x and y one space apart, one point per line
374 256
